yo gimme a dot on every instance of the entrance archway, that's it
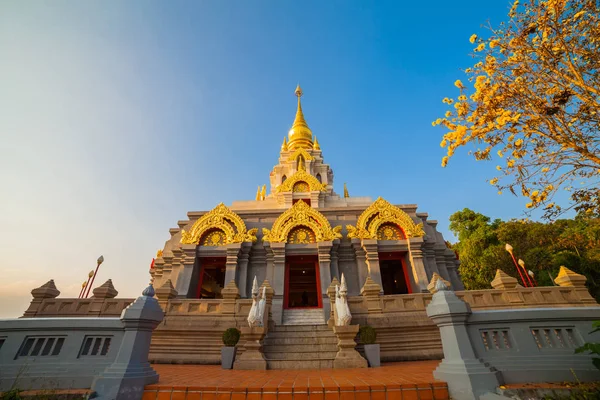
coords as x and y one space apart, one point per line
302 283
394 274
212 278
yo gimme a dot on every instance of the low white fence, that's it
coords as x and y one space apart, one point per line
108 355
486 349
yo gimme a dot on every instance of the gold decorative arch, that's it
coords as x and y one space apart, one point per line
302 152
379 213
301 176
301 214
220 218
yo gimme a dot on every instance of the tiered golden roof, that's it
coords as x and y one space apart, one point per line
300 136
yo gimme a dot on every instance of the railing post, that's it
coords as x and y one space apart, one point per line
47 291
467 377
126 377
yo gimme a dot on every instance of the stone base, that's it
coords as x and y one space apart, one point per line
347 356
252 358
468 379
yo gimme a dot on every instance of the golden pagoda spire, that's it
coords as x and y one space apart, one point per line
284 146
258 193
300 135
316 144
346 195
263 193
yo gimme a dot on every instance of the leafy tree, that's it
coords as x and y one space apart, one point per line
535 104
544 247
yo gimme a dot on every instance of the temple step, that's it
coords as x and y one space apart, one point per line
303 317
300 347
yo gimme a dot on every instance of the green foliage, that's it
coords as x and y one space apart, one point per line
574 243
231 336
367 334
592 348
13 394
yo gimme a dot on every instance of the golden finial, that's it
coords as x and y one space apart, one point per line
263 194
316 144
346 195
258 193
284 146
300 135
159 254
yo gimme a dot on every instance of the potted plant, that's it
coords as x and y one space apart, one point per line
230 338
367 337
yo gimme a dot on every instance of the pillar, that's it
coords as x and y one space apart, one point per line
231 264
314 199
242 275
467 376
276 252
372 259
324 252
440 259
126 377
335 269
415 246
361 263
452 264
187 259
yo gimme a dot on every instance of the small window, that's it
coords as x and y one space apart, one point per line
95 346
34 346
319 178
283 178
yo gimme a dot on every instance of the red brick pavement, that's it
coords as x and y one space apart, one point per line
392 381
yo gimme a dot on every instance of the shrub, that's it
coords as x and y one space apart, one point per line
367 334
592 348
230 337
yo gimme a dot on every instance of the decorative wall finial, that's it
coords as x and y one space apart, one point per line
346 195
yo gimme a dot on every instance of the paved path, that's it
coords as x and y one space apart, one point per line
392 381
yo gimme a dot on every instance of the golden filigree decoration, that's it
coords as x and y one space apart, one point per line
215 237
223 219
390 231
301 234
301 187
159 254
301 176
379 213
301 214
300 152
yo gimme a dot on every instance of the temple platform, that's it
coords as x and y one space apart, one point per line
392 381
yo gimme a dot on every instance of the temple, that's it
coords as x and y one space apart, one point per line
301 235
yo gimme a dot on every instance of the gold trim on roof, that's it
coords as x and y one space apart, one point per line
299 152
221 218
379 213
301 214
301 176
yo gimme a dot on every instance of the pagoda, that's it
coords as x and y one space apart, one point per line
300 236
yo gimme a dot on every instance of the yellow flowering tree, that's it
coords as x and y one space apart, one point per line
533 101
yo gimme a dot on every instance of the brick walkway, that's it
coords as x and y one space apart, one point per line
392 381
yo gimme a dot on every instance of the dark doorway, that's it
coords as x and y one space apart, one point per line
394 275
302 282
212 278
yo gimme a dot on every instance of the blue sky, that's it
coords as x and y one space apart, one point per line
116 118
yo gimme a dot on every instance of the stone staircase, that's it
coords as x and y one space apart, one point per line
300 347
311 316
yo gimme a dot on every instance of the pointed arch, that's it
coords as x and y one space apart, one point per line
300 152
380 213
222 219
301 214
301 176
